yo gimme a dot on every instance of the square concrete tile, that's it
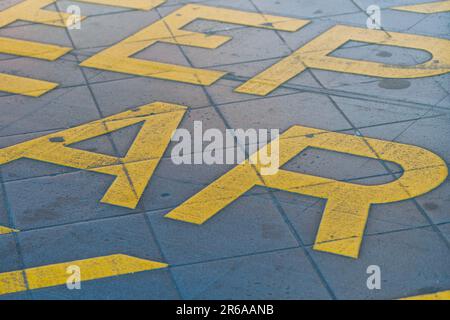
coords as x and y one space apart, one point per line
305 109
412 262
126 235
364 113
284 274
11 262
59 109
249 225
445 229
305 8
103 31
61 199
140 91
4 215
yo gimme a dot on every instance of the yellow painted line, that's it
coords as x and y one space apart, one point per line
133 171
5 230
133 4
344 219
169 30
31 10
316 54
32 49
444 295
431 7
25 86
91 269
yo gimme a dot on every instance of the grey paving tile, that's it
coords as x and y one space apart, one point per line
36 32
304 8
222 92
125 235
412 262
235 4
7 3
58 109
435 25
422 132
363 113
387 3
336 165
90 9
61 199
173 184
4 217
10 262
436 203
423 90
445 229
264 44
63 72
248 225
140 91
306 109
9 254
106 30
285 274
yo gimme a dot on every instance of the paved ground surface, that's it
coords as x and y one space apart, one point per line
260 245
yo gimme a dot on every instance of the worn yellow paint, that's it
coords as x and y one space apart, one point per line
344 219
443 295
32 49
91 269
25 86
133 4
5 230
133 172
316 54
169 30
430 7
30 10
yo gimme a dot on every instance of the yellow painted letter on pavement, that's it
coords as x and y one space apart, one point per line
169 30
30 10
347 209
133 172
443 295
316 54
91 269
133 4
430 7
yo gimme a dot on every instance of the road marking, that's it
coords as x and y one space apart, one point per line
316 54
444 295
133 4
5 230
346 213
133 172
431 7
30 10
169 30
91 269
